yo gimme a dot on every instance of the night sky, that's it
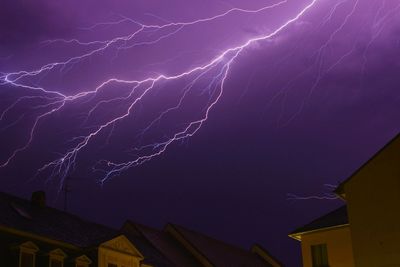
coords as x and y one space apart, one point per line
298 111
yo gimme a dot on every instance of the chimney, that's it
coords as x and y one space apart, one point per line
38 199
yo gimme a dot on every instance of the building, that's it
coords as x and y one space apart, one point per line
326 241
366 231
35 235
197 249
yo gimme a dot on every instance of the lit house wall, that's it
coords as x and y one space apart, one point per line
373 201
338 242
118 252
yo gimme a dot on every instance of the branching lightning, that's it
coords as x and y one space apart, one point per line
325 196
49 101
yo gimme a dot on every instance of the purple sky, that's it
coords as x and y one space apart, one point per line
300 110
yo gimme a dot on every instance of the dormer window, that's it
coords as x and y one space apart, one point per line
27 255
82 261
56 258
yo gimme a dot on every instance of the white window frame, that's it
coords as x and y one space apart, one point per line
58 255
28 248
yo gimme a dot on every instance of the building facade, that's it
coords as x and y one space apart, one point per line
35 235
365 232
326 241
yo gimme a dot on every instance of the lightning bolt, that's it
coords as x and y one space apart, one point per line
324 196
215 71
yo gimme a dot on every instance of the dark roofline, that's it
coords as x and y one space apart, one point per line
175 228
137 227
308 228
42 238
47 238
267 257
297 236
340 189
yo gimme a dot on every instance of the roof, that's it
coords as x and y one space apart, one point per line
334 218
219 253
19 214
340 189
151 255
159 247
164 243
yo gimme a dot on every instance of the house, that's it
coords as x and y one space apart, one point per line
35 235
366 231
326 241
196 249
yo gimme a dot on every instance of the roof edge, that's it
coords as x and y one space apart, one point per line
340 189
265 255
191 248
297 235
38 237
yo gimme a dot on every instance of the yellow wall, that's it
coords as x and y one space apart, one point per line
119 251
373 200
338 242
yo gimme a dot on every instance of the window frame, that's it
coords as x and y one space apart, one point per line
58 259
58 255
23 251
319 252
27 248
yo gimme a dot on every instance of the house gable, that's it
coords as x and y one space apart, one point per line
380 163
29 246
123 245
83 259
119 251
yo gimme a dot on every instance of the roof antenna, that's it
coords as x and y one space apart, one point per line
66 191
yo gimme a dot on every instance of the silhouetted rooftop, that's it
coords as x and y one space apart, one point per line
166 244
334 218
163 248
20 214
340 189
219 253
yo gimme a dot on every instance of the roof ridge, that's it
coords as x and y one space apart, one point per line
212 238
27 201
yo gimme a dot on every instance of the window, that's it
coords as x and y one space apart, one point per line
27 259
319 254
27 254
56 263
56 258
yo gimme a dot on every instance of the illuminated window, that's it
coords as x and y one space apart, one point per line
319 254
27 255
56 258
